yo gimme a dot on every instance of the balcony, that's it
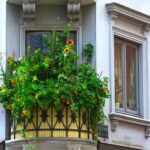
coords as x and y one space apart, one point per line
49 123
51 129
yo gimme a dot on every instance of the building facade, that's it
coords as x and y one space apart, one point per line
119 30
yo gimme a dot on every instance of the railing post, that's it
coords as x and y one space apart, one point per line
8 125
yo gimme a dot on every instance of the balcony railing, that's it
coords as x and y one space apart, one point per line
48 122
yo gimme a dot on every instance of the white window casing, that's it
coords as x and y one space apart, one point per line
131 25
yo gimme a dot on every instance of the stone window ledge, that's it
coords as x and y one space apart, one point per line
116 118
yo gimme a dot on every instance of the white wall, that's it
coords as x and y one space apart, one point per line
142 6
3 53
89 27
48 18
126 134
55 15
13 30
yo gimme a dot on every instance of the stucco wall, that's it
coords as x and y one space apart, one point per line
3 54
127 134
54 15
89 27
13 29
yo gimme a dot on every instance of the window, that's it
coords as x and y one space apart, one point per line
126 76
35 39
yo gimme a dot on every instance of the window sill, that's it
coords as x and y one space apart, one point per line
116 117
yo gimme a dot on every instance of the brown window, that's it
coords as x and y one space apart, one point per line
126 76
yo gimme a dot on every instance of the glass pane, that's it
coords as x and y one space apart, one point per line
72 35
118 75
131 77
36 40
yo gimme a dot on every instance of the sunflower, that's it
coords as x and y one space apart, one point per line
70 42
66 50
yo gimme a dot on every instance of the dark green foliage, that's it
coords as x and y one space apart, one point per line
53 78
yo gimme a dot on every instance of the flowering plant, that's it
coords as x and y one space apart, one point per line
53 78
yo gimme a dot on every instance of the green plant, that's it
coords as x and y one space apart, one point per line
88 50
53 78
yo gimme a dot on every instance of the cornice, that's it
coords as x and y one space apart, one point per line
115 8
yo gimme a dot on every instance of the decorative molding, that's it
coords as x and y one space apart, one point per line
146 29
113 16
116 117
114 124
74 147
127 12
132 36
29 9
73 10
147 132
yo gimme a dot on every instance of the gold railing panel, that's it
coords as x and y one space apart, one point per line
50 123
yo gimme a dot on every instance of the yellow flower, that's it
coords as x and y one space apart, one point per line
70 42
46 59
9 106
66 50
25 112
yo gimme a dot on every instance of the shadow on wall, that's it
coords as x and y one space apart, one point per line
2 145
102 146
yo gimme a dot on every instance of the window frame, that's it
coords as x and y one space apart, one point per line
49 32
124 43
31 27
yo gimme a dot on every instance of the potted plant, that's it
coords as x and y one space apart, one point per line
53 78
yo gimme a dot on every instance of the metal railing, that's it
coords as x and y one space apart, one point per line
47 122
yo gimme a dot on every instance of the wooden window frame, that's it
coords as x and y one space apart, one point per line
124 108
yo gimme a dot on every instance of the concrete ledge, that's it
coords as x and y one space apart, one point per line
116 118
53 143
129 119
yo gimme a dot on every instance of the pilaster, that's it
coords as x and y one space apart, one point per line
2 60
113 17
147 34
